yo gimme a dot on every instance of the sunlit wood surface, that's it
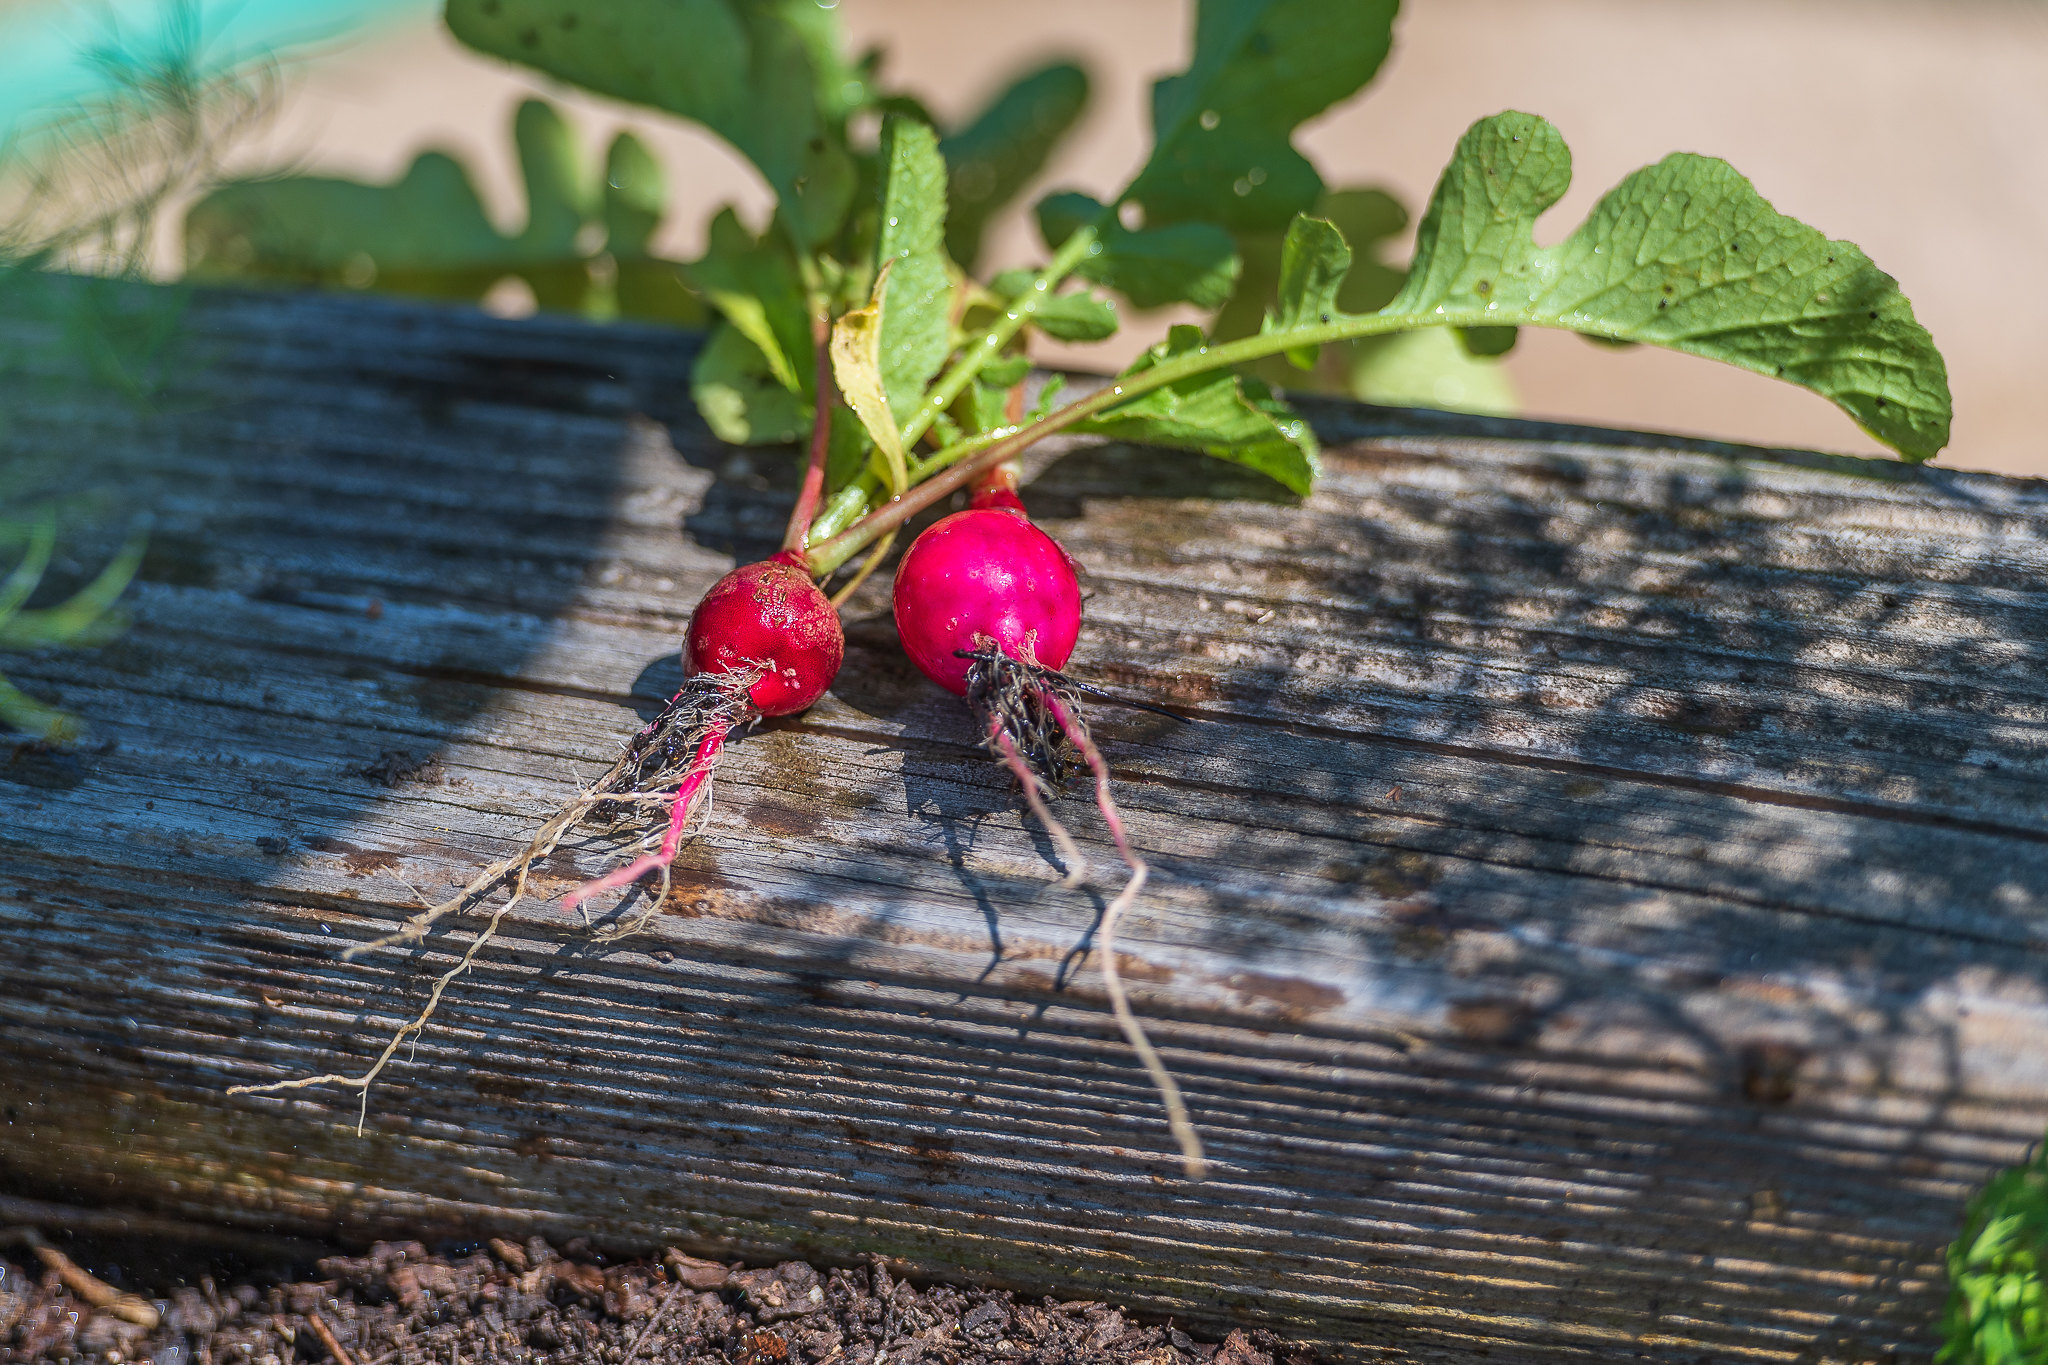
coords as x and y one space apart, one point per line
1601 911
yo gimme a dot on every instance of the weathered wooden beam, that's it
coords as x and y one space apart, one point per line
1603 906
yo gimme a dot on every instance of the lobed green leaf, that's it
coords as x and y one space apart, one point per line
1217 413
1223 148
765 75
1152 267
1684 254
993 157
427 233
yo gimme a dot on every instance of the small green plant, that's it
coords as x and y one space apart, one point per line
1998 1273
84 620
80 194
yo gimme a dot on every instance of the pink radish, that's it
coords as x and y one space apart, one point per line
988 607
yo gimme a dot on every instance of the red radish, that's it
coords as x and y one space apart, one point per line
986 577
770 614
764 641
988 607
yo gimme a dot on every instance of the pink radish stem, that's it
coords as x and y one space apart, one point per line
678 818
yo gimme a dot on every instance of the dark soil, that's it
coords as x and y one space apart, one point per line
399 1305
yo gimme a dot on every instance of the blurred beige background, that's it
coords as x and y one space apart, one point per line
1913 129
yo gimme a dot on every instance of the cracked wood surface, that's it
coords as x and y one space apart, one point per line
1603 908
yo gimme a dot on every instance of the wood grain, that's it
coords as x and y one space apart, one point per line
1601 909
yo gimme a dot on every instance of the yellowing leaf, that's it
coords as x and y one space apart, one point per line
857 368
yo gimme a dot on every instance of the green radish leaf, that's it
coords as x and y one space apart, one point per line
857 368
1313 263
1003 373
427 234
1683 254
997 154
755 285
740 397
1074 316
1152 267
910 249
1215 413
765 75
1223 148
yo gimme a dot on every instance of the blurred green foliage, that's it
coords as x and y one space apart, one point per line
1998 1273
584 247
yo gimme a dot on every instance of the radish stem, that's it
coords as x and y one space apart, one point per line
961 463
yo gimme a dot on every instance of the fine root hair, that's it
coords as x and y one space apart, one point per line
1031 718
676 750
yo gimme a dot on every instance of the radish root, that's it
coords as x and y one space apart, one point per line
1193 1160
1032 719
677 749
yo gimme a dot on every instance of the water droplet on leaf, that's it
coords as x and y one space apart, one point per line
1210 120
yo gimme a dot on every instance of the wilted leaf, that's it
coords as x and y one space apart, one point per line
857 369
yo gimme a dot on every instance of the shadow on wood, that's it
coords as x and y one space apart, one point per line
1602 910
